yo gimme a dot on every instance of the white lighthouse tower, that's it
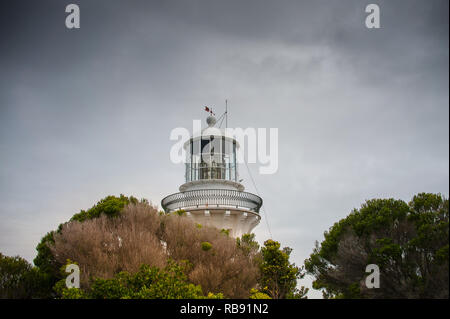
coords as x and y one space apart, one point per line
212 193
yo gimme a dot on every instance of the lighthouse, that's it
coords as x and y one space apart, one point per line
212 193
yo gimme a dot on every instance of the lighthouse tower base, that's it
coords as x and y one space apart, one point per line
238 222
227 209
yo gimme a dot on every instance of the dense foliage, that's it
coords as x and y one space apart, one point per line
409 243
278 276
20 280
105 246
148 283
109 206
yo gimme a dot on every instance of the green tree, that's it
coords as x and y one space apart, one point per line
13 277
408 242
20 280
278 275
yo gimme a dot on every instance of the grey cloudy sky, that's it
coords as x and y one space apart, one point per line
87 113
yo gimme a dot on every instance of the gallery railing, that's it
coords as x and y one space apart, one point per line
212 198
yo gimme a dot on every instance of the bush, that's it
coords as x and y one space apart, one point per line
256 294
206 246
224 269
147 283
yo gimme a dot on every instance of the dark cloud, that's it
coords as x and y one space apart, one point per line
86 113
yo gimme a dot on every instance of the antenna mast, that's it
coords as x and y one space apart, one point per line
226 113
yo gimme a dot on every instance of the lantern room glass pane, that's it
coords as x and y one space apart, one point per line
228 147
215 145
195 147
211 157
205 146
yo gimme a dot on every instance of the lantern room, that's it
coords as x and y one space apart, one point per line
212 193
212 156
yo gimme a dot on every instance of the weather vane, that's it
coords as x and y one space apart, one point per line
207 109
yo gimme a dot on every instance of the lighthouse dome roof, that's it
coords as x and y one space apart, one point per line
210 130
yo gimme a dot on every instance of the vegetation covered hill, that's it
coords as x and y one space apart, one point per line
125 248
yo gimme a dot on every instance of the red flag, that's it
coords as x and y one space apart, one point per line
206 109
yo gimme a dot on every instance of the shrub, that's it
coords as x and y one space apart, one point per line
206 246
147 283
